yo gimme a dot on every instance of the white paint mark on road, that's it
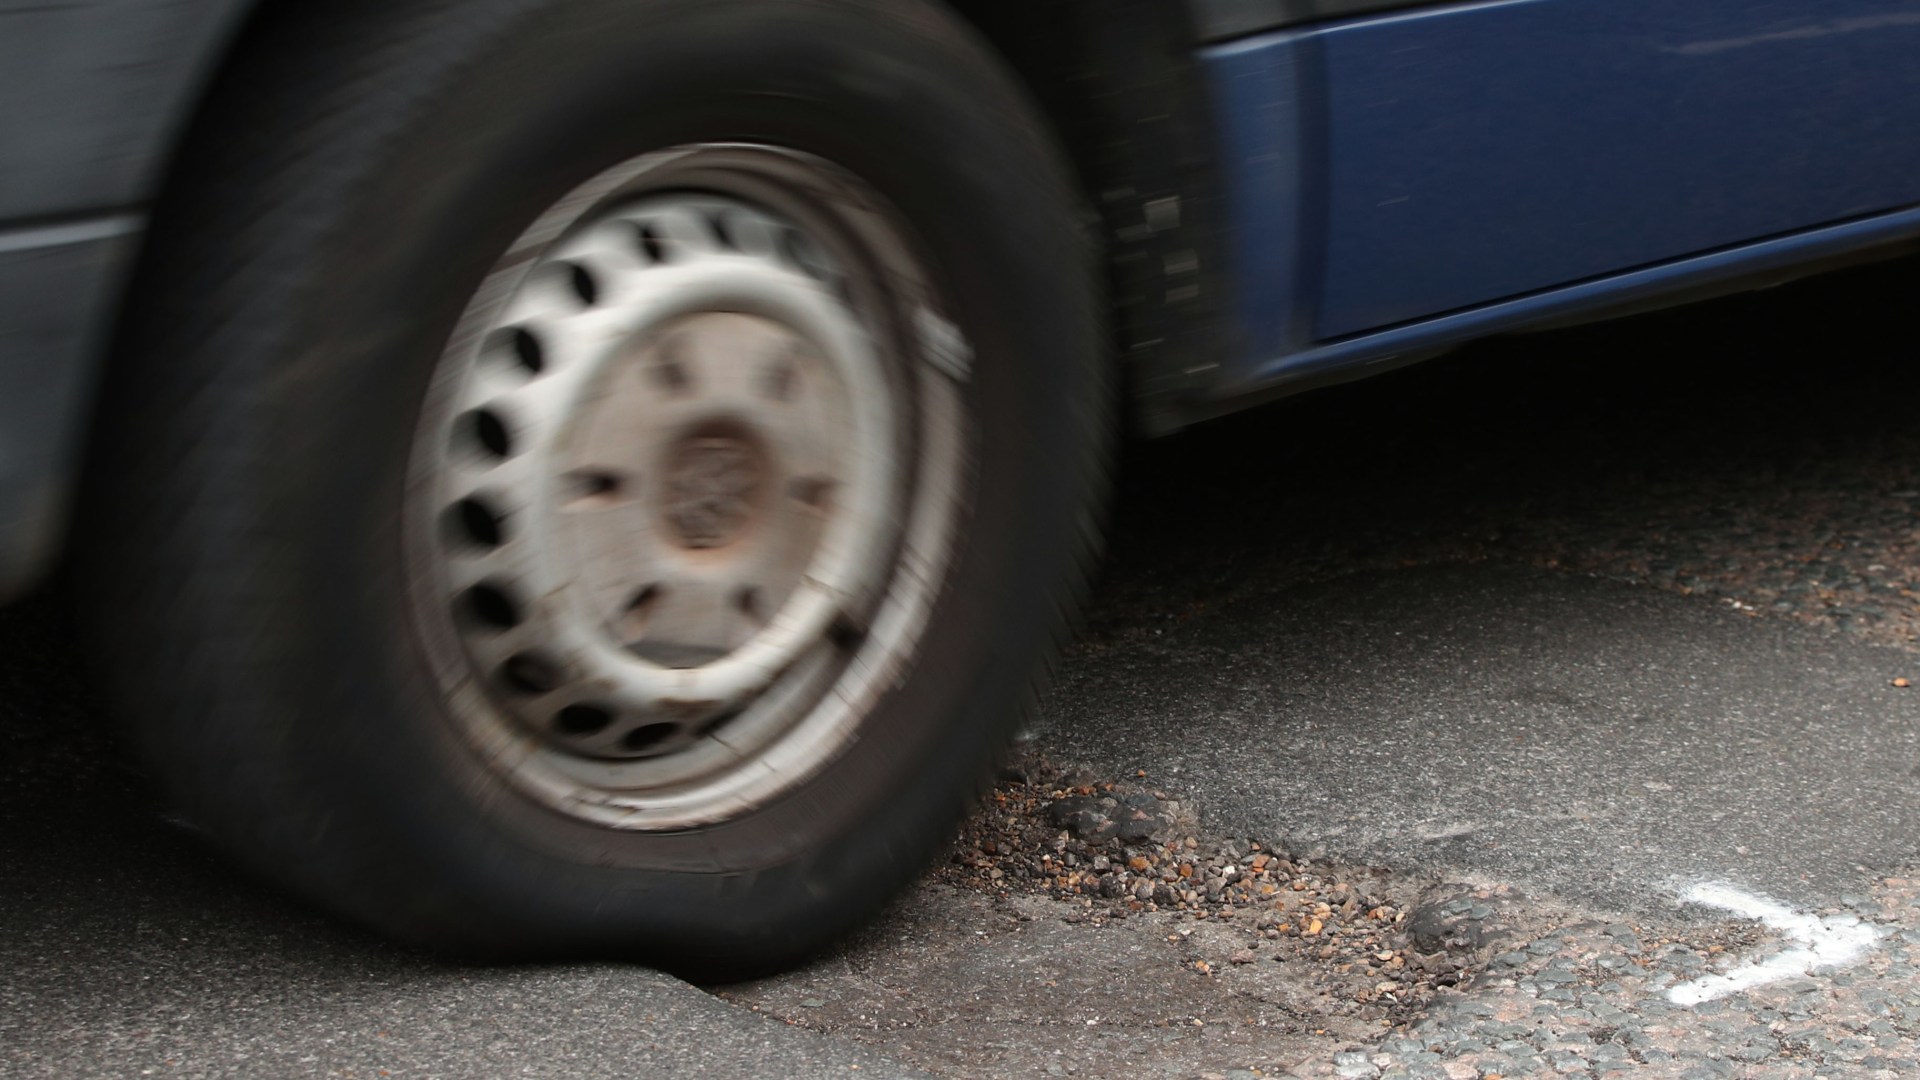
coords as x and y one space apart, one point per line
1833 941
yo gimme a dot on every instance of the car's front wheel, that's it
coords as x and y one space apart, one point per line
598 475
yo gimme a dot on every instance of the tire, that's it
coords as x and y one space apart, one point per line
268 505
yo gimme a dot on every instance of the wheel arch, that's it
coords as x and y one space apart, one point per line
1123 86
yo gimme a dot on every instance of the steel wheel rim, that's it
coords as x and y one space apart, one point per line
683 484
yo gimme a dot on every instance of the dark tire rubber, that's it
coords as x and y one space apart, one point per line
355 173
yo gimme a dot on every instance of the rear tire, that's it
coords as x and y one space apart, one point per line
280 618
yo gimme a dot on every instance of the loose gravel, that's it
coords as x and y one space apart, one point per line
1113 850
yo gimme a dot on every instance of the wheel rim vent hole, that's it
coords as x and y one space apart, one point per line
476 523
583 285
491 605
484 429
652 244
647 737
600 487
748 600
778 382
582 719
845 635
521 348
632 624
530 674
669 368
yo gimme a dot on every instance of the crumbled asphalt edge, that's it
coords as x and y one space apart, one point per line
1589 1000
1109 851
1465 980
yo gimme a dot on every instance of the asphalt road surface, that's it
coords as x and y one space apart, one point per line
1595 740
1567 624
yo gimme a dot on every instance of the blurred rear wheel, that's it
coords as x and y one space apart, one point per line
595 476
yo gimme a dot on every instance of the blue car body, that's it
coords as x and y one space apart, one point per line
1383 180
1412 179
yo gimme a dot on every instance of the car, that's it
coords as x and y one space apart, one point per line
601 477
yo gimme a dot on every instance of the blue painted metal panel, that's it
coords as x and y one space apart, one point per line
1258 88
1348 357
1486 151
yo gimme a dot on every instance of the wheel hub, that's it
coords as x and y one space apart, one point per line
702 470
668 455
714 478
